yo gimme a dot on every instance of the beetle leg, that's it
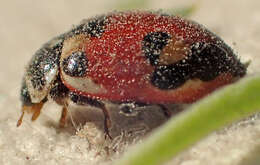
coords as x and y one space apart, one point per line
63 116
35 108
175 109
19 122
130 108
107 121
83 100
167 113
64 113
59 93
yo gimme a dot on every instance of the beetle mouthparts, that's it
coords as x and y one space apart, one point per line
34 108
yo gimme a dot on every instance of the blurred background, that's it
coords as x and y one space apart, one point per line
26 25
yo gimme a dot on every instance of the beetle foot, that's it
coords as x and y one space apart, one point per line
106 129
19 122
107 123
63 117
167 113
36 108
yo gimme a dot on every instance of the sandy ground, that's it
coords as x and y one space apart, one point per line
26 25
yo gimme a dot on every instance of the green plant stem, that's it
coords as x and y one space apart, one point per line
225 106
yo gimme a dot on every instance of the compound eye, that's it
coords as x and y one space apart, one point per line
76 64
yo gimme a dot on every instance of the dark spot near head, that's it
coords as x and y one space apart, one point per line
170 76
152 45
206 62
94 27
76 64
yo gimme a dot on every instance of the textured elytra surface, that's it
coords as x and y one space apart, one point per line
43 142
152 45
129 53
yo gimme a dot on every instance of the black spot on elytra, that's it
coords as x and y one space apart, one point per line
94 27
76 64
152 45
169 76
206 62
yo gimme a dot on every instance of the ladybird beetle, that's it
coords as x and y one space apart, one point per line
128 57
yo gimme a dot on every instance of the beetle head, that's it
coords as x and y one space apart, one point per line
41 72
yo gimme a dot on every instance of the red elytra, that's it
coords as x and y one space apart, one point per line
116 60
